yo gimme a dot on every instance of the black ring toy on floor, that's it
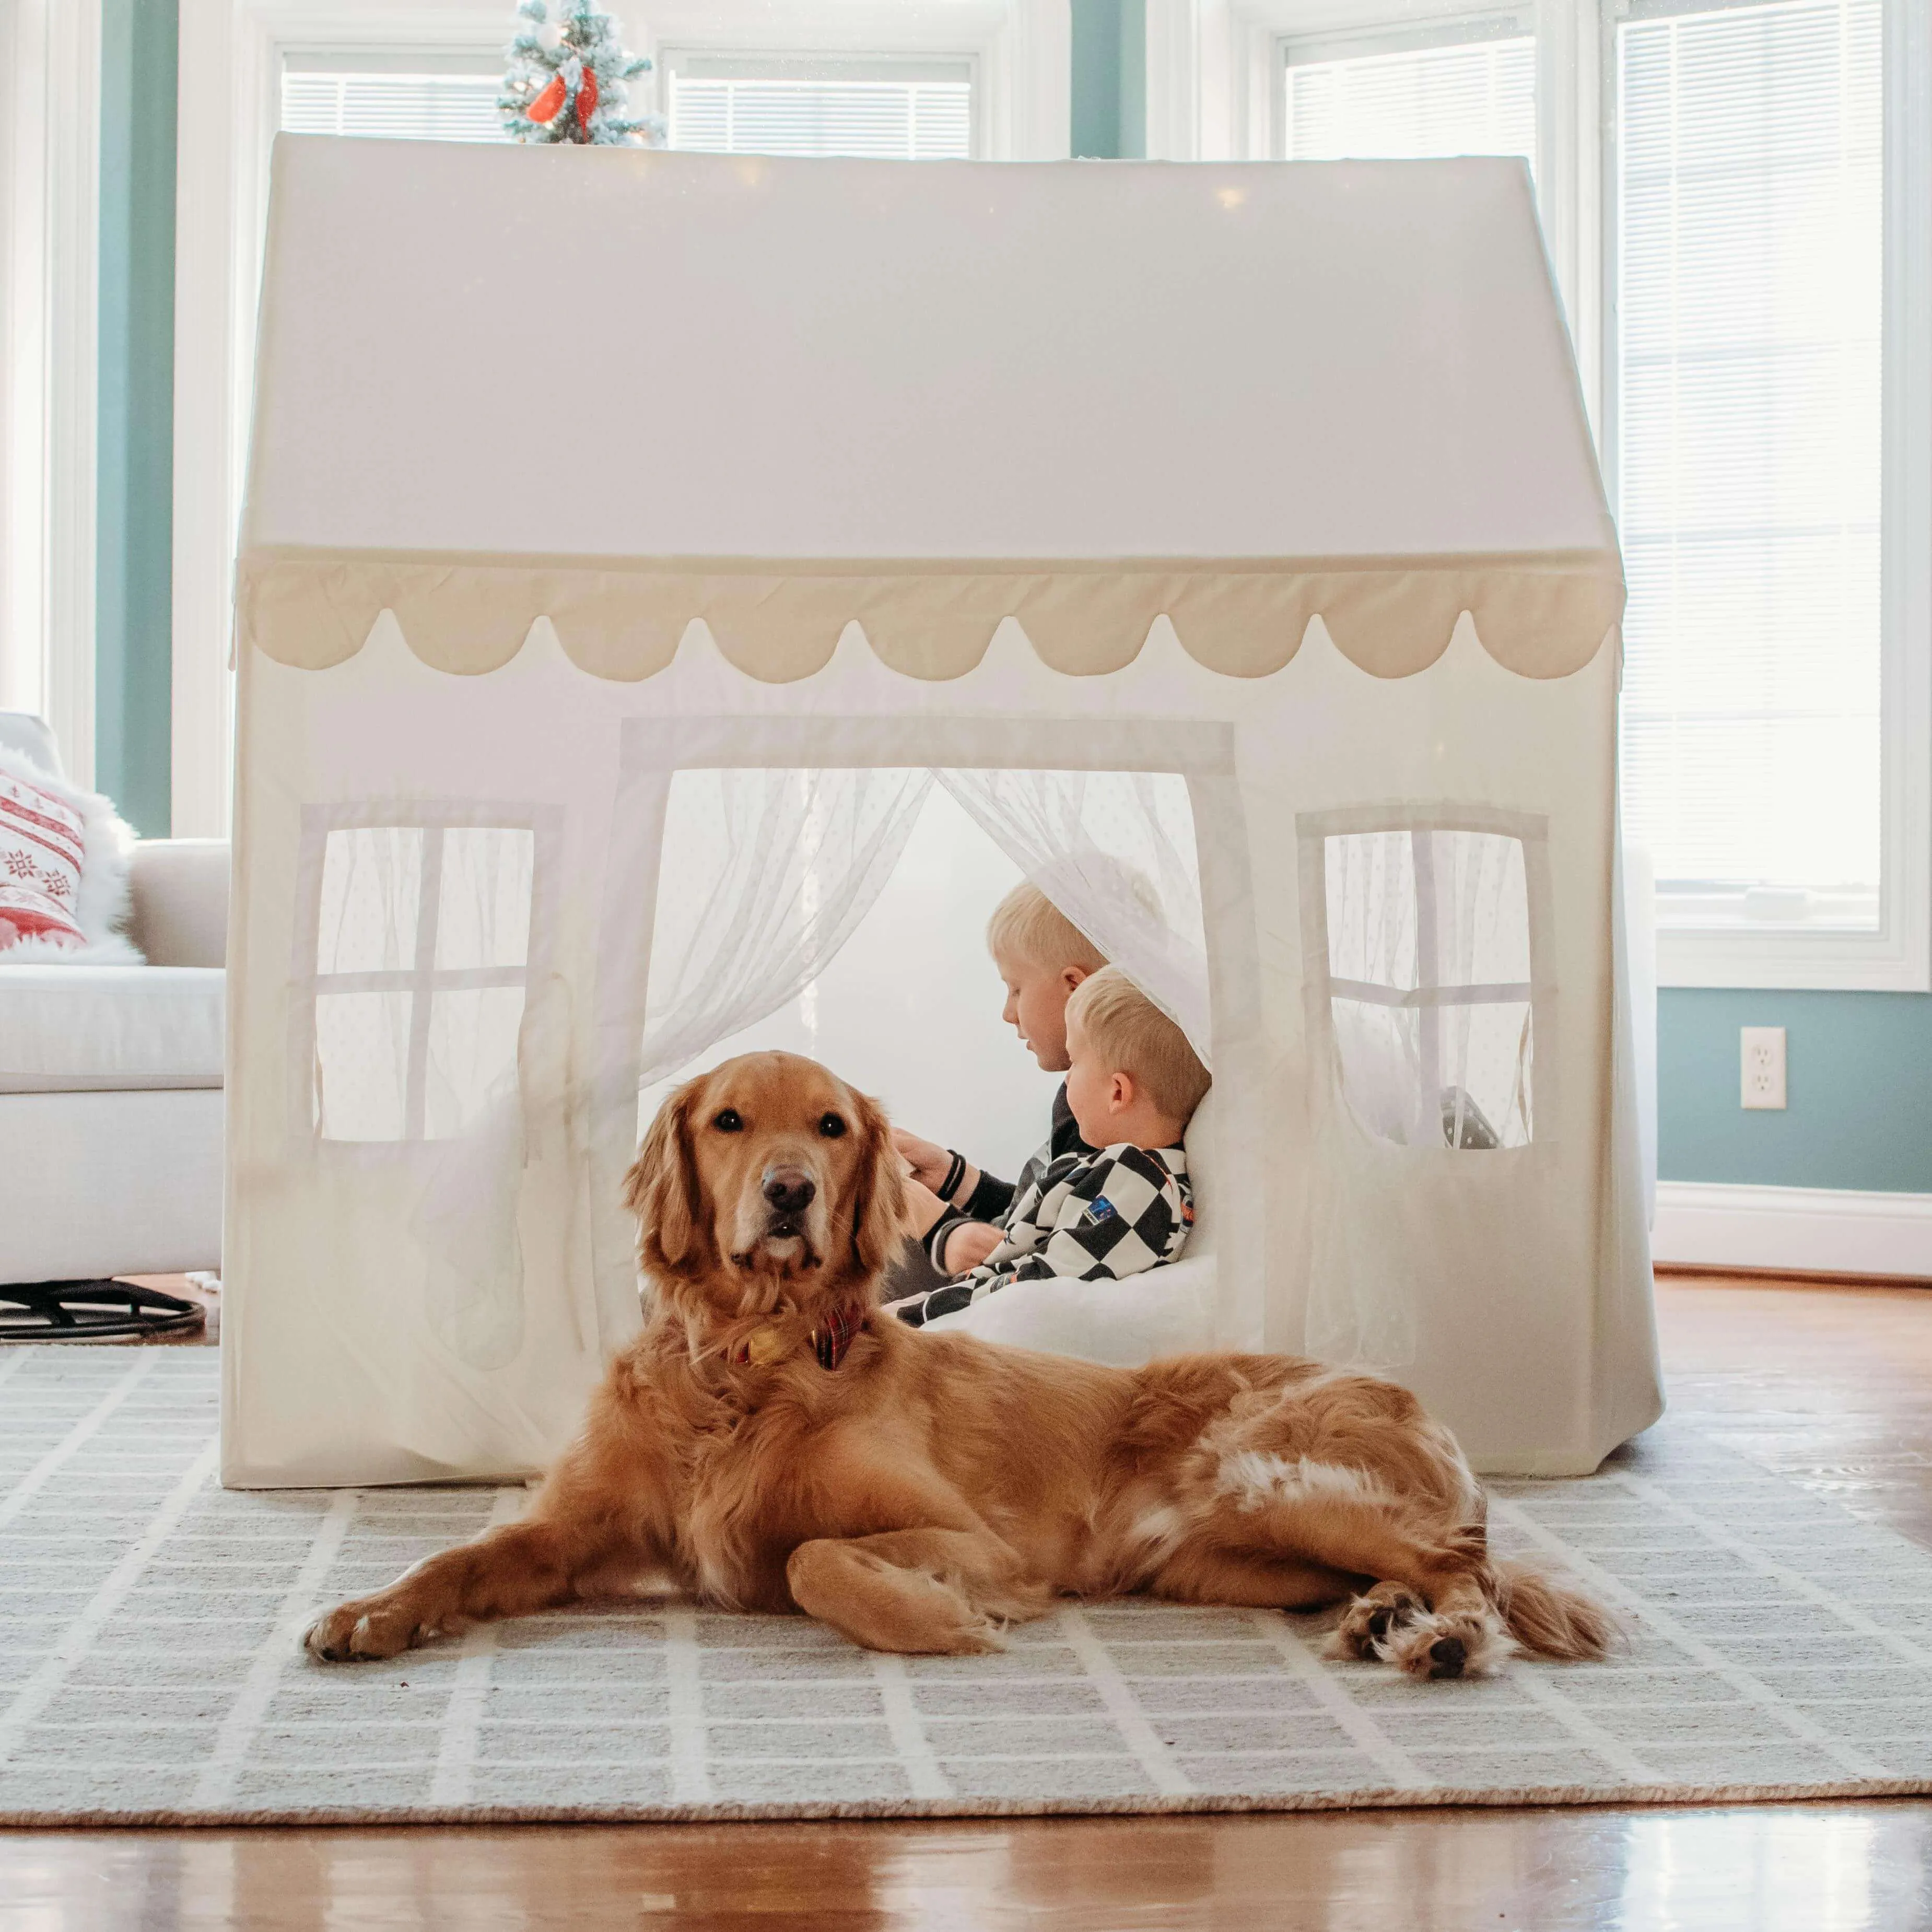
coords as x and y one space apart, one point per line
91 1311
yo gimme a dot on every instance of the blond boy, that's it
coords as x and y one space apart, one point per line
1043 957
1133 1083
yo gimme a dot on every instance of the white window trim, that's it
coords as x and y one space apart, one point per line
230 60
49 228
1213 70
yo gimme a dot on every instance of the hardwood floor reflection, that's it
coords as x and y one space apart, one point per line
1833 1387
1796 1868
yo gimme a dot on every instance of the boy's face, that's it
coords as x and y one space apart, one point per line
1036 1006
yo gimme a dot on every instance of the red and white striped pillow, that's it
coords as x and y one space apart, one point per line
42 853
64 863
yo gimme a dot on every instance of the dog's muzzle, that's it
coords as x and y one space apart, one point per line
790 1192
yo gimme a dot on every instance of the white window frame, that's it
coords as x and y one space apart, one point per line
820 65
1713 943
231 53
1309 49
1213 83
49 249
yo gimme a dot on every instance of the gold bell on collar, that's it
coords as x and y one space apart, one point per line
762 1347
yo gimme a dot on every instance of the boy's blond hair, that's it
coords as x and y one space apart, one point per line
1028 926
1131 1035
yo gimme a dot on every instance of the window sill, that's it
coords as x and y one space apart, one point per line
1791 957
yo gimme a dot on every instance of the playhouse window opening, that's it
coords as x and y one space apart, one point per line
865 897
421 965
1429 985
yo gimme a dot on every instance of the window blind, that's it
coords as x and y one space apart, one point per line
885 119
397 106
1473 97
1749 285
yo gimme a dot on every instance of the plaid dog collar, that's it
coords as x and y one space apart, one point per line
831 1341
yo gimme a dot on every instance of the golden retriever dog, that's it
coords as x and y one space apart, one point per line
771 1442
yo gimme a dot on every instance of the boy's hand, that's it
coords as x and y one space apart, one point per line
969 1244
929 1160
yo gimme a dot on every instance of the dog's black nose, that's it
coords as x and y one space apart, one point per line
789 1189
1447 1656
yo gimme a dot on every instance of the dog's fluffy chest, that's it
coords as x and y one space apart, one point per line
750 1487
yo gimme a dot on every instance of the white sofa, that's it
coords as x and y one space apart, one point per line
111 1080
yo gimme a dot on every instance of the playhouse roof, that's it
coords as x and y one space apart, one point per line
626 389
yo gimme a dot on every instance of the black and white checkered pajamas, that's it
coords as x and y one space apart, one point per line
1086 1217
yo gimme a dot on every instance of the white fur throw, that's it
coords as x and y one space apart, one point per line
99 897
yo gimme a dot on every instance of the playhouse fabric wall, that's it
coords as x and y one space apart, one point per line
1518 1276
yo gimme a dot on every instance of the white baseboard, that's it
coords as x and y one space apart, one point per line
1807 1230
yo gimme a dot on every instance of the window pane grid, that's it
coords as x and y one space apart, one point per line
394 107
910 120
423 940
1430 994
1750 281
1475 98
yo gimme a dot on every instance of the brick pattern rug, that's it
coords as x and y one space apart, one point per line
150 1673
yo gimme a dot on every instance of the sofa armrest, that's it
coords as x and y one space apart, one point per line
180 915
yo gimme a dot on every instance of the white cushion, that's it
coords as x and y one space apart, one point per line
109 1184
181 901
1167 1311
71 1029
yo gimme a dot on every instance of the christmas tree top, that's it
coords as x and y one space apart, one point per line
566 78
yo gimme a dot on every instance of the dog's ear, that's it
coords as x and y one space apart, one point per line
879 1203
662 1188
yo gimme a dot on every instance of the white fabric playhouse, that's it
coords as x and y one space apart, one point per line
636 542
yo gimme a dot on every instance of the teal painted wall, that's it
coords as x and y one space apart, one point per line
1109 61
133 570
1857 1080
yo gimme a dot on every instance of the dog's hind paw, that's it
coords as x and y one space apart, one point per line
1466 1644
1371 1621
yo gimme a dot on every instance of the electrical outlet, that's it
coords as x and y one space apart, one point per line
1763 1057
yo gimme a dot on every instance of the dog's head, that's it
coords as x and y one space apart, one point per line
767 1175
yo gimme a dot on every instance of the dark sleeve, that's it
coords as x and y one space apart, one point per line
991 1199
916 1311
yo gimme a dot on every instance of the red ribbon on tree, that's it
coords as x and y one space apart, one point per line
547 104
586 98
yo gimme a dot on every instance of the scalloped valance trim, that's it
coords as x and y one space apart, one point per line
1541 614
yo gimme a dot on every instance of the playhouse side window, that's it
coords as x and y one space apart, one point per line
1429 992
421 967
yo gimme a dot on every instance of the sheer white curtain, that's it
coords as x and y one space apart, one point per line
1115 852
1429 977
763 876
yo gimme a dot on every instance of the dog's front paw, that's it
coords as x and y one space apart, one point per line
370 1629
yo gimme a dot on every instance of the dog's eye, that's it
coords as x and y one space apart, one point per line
729 1122
831 1125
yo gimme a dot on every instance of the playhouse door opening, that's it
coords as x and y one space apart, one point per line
875 889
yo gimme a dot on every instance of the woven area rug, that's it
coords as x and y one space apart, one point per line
150 1671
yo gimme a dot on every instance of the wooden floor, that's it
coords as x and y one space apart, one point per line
1832 1387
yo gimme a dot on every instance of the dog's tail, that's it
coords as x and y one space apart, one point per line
1549 1618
